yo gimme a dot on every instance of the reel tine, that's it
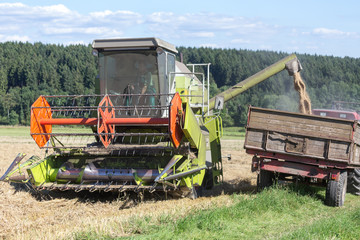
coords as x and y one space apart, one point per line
41 186
65 187
153 188
121 189
93 188
79 188
137 188
52 187
108 189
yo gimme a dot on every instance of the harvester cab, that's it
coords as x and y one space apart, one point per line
140 68
148 127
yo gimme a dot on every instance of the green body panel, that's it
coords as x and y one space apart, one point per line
182 82
43 172
197 140
52 174
214 125
182 87
196 100
185 85
200 161
191 128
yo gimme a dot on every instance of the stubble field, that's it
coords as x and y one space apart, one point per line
27 216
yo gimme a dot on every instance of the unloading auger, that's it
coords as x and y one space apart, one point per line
151 126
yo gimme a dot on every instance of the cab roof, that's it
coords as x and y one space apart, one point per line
132 43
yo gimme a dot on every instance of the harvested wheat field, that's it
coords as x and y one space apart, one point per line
24 215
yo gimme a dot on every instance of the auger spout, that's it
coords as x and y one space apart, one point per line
290 63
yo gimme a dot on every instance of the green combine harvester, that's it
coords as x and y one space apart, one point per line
151 126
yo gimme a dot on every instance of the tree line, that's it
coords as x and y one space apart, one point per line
28 70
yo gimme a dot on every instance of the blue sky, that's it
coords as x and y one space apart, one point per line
312 27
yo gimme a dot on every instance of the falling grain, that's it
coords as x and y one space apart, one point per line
300 87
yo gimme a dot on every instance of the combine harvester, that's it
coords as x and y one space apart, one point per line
151 126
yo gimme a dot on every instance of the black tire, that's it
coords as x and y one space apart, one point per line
208 182
336 190
265 179
354 182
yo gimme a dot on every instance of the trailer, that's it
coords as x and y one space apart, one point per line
291 146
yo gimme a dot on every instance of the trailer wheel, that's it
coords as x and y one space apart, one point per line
354 182
336 190
264 179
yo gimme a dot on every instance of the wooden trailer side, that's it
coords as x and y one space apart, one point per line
303 135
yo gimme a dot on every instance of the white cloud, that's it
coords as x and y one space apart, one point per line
118 17
202 22
327 32
59 10
164 17
57 20
77 30
23 12
58 24
222 28
102 14
18 38
240 41
204 34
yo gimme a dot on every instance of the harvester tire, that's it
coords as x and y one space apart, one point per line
353 185
208 181
336 190
265 179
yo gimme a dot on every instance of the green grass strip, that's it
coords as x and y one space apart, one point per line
276 213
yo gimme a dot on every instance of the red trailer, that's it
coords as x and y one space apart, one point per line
293 146
344 114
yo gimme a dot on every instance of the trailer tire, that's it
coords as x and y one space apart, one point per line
354 182
265 179
336 190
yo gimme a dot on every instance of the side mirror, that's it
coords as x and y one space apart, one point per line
219 102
